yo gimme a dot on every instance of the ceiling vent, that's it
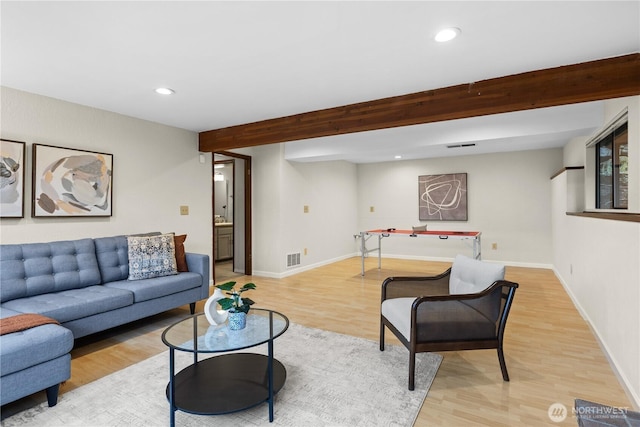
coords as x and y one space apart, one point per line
461 145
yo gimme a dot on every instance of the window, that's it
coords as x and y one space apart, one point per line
612 177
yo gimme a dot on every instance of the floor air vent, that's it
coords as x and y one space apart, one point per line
293 259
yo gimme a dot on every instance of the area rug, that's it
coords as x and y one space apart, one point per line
332 380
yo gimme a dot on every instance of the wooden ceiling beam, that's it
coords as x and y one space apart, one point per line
570 84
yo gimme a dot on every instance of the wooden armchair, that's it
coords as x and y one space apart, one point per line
464 308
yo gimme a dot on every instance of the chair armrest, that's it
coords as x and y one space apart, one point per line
407 286
466 297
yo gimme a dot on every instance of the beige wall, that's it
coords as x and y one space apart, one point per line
281 189
156 169
509 196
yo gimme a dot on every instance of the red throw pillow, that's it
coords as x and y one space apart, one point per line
181 258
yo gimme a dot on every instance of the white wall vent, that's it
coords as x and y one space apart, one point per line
293 259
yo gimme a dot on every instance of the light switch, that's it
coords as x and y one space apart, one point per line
184 210
306 208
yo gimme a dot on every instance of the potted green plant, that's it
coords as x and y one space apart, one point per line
235 304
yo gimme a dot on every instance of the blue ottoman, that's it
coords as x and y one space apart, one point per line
33 360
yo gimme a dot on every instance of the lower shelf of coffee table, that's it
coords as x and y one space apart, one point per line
227 383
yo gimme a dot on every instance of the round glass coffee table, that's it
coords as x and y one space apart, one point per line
229 382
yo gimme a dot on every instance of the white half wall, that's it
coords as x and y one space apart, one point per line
598 260
156 169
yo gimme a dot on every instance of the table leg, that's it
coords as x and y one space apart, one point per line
270 366
363 248
172 389
379 251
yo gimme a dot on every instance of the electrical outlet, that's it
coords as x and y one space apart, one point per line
494 246
305 251
184 210
372 209
306 208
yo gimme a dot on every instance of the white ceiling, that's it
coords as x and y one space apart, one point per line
238 62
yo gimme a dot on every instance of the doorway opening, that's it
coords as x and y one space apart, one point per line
231 202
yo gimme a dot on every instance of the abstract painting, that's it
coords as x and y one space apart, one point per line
71 183
12 160
442 197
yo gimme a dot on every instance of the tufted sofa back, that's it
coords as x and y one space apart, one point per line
39 268
112 254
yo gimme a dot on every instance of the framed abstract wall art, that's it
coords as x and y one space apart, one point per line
12 161
71 183
442 197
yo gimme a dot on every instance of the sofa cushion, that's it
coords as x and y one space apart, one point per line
157 287
470 276
73 304
151 256
21 350
113 258
24 321
40 268
5 312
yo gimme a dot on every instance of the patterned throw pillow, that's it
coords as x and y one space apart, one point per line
151 256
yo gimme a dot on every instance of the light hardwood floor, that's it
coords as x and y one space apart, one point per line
552 355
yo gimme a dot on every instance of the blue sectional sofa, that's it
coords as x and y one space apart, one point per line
85 286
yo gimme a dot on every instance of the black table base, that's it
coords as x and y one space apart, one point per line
227 383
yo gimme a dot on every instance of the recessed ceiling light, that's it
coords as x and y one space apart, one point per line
397 157
165 91
447 34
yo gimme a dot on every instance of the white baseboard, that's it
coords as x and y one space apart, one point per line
300 269
292 271
444 259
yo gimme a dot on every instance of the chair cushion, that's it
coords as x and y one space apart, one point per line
470 276
398 312
445 320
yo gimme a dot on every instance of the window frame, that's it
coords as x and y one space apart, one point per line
610 142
